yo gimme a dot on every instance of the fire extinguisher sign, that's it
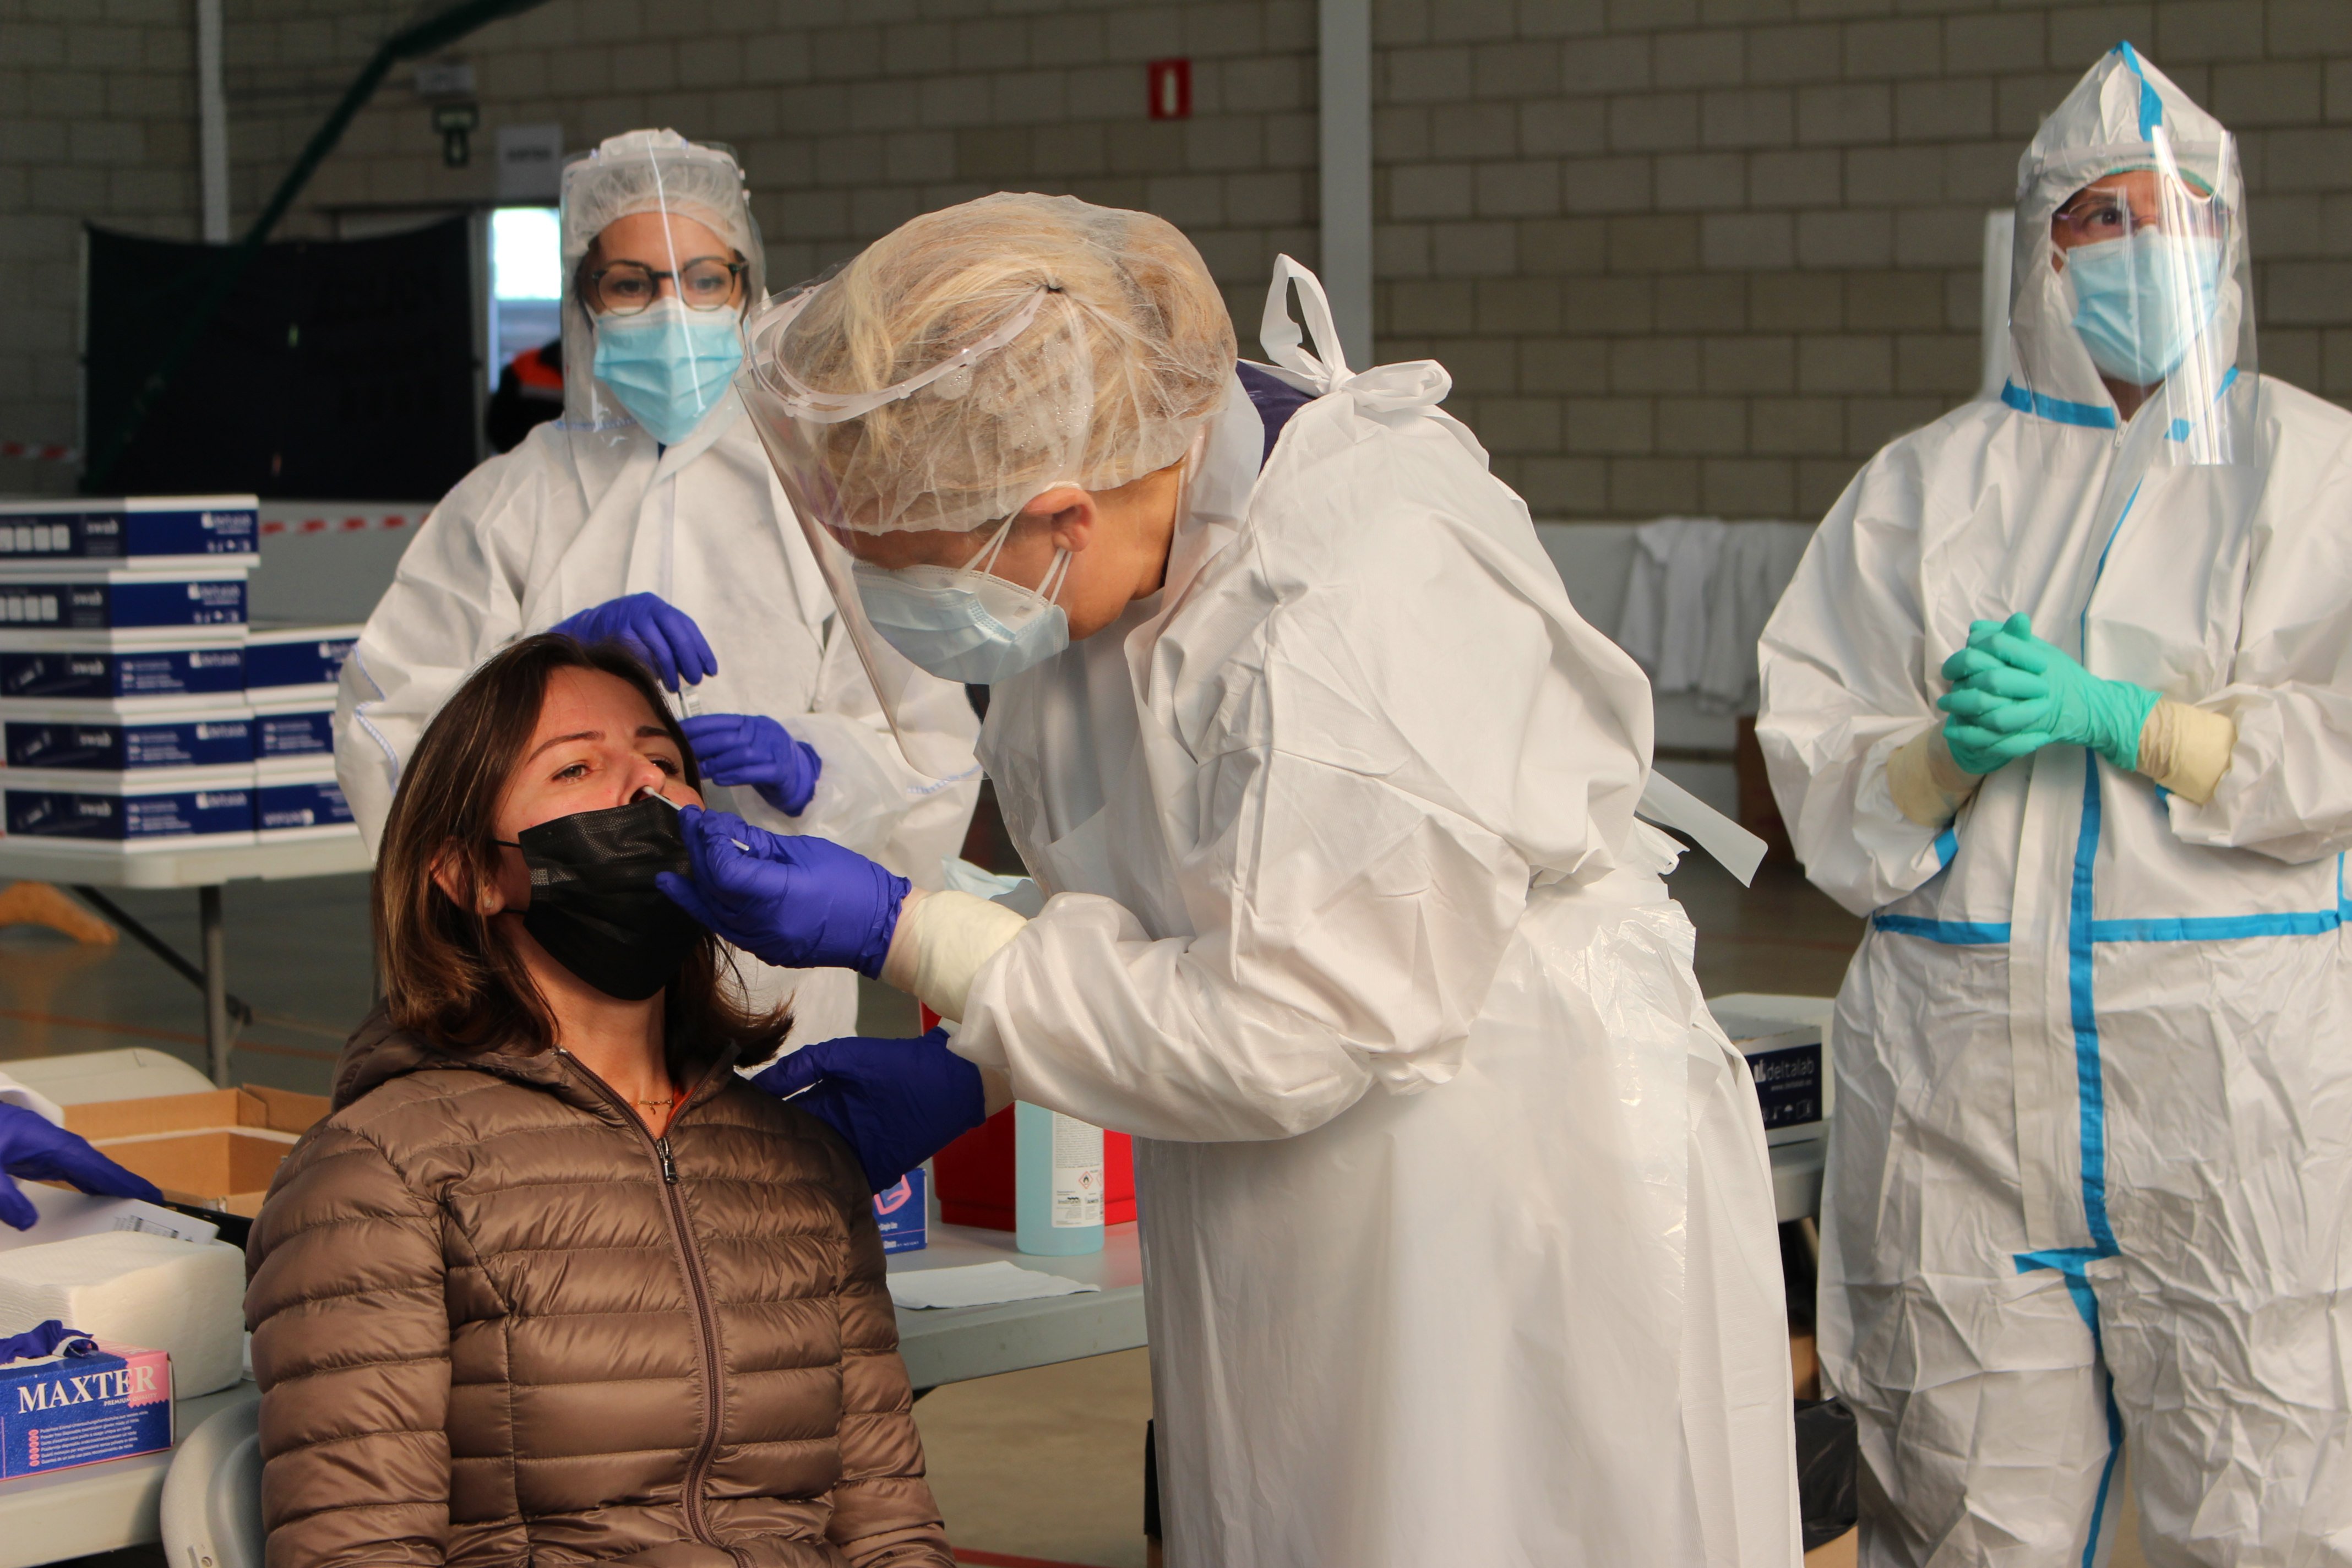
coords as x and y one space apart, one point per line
1170 89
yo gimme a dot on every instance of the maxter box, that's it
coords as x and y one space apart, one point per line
63 1411
902 1213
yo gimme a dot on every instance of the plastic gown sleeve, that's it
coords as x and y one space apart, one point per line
1347 933
1844 660
868 797
2288 792
450 605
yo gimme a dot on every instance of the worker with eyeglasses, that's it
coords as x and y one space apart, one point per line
649 514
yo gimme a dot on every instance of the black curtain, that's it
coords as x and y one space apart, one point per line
338 369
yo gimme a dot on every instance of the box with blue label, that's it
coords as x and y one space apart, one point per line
294 662
289 734
147 532
66 1410
1785 1040
59 737
82 668
902 1213
123 601
211 806
308 806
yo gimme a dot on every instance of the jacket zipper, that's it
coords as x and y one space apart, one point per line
705 1328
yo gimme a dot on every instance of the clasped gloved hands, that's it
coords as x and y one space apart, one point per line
655 630
895 1102
37 1149
2014 694
790 899
751 749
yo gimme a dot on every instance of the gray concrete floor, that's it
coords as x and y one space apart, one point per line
1044 1464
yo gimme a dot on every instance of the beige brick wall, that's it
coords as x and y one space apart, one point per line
1679 255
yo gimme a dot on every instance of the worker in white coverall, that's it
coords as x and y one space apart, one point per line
1457 1221
2062 699
649 514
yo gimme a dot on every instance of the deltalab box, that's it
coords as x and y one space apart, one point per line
1785 1042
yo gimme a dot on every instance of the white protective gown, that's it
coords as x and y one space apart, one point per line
2091 1173
571 518
1457 1219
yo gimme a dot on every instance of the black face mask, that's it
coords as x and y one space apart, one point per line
594 904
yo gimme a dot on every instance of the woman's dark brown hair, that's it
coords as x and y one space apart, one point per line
448 974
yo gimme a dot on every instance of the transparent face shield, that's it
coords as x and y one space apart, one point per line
661 256
806 432
2131 301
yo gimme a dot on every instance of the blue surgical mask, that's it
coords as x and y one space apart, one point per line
668 365
961 624
2141 300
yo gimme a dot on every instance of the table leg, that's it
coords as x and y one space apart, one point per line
215 959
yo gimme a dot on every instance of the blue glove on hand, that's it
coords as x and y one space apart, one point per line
751 749
656 631
2014 694
895 1102
790 899
33 1147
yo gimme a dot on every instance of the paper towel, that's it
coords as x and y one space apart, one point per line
977 1285
130 1288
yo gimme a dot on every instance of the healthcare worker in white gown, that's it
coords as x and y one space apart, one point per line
649 514
2062 699
1456 1217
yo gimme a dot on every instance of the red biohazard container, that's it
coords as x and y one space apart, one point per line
975 1176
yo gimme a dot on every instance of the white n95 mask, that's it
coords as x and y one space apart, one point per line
961 623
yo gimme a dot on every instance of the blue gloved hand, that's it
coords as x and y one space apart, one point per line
753 749
895 1102
790 899
45 1340
34 1148
2014 693
648 626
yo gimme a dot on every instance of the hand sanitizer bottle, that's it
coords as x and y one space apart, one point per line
1057 1182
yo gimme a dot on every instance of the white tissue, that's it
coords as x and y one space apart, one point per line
148 1291
977 1285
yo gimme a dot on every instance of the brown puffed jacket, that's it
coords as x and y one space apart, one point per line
497 1321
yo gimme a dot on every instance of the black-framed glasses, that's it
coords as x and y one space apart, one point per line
626 288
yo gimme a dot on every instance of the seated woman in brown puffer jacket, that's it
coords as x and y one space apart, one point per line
553 1285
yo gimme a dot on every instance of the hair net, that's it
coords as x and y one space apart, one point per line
643 171
975 357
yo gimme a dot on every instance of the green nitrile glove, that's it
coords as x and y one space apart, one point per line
2014 694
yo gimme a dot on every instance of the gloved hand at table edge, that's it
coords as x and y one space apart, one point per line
34 1148
753 749
895 1103
793 900
2014 694
653 628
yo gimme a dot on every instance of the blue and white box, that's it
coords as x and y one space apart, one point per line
94 669
1785 1040
174 809
63 1411
293 734
154 604
903 1212
292 663
306 804
154 532
63 738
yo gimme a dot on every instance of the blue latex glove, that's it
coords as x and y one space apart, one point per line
790 899
648 626
33 1147
753 749
2014 693
45 1340
895 1102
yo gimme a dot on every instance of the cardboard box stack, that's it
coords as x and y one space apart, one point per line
126 718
